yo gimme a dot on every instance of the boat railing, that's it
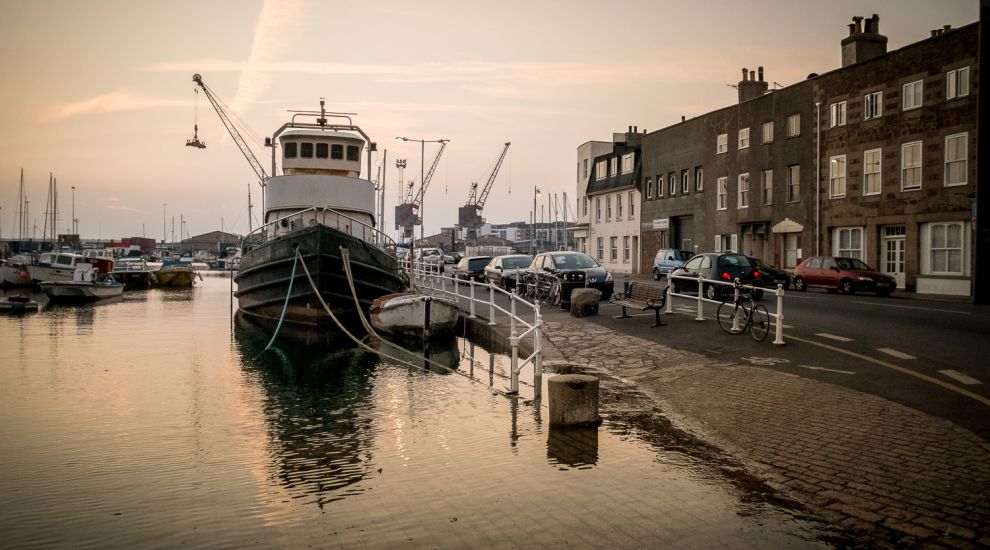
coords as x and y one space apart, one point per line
324 215
479 299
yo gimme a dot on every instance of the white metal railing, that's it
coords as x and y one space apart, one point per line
777 316
427 277
324 215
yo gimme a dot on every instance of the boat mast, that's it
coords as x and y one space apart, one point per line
249 207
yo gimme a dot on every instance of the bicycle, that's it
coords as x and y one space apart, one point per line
744 314
543 289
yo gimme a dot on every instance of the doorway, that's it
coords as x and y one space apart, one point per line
893 253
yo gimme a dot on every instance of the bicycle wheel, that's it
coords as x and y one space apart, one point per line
759 323
555 293
727 312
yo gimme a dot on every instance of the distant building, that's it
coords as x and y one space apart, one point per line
213 242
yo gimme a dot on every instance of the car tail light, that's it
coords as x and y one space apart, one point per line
756 274
726 276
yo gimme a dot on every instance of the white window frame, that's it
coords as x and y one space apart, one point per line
837 114
601 170
910 166
872 172
626 255
613 165
660 185
794 125
685 182
872 105
957 83
935 245
722 195
766 187
950 162
618 206
793 187
608 208
742 187
854 245
585 206
722 144
699 179
743 138
632 206
837 176
613 249
768 132
601 249
672 184
627 163
913 95
598 209
649 188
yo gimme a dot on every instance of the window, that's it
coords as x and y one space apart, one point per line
699 179
585 162
585 206
613 166
627 163
837 176
946 247
336 151
794 125
838 114
957 83
873 105
725 243
955 159
659 186
608 208
598 209
794 183
743 191
672 182
625 249
632 206
743 138
768 132
911 166
722 145
353 153
685 182
871 171
911 96
723 194
306 150
601 248
322 150
649 188
849 242
613 245
600 172
290 149
618 206
766 187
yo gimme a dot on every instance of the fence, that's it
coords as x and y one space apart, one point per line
777 315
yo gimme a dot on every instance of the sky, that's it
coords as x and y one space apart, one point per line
99 93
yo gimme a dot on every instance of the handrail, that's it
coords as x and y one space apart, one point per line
778 315
367 232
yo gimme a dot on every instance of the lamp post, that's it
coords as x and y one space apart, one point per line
422 190
536 195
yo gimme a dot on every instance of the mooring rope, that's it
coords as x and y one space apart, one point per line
285 305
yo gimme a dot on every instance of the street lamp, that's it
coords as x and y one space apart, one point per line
422 190
536 195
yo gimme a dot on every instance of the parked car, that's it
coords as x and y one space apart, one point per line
573 270
471 268
720 267
846 275
429 256
506 271
769 275
667 260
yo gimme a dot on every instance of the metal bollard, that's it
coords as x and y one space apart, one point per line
779 333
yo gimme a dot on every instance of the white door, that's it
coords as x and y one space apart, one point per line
893 254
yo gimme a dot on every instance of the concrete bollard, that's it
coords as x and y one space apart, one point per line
584 301
573 400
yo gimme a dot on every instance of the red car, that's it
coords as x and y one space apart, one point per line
846 275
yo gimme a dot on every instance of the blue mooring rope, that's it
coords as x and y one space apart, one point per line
285 306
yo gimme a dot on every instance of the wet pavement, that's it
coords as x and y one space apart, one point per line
887 475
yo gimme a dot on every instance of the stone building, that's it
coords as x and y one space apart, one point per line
611 204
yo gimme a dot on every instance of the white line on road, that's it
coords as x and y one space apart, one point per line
960 377
834 337
826 370
913 307
895 353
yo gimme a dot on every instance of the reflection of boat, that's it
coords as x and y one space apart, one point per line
18 304
176 275
408 315
14 271
133 272
83 287
316 208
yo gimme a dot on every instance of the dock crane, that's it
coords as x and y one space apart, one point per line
406 214
469 215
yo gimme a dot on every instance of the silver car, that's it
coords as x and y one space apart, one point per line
506 271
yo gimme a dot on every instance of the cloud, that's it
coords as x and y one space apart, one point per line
120 100
277 20
114 203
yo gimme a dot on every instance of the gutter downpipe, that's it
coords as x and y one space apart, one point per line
818 175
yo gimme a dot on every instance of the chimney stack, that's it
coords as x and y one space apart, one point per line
749 87
863 44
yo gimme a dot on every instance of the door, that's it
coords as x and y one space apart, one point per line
893 253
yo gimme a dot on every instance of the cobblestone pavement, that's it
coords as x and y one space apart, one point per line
895 476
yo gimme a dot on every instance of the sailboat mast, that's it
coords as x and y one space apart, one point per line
249 207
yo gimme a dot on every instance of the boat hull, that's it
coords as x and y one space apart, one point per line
81 291
265 272
407 316
176 276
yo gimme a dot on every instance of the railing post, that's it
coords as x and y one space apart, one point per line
472 316
514 366
735 300
779 318
491 304
669 290
538 354
512 309
701 292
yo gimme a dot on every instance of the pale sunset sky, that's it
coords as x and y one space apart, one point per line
100 92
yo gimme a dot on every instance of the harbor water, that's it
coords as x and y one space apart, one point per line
154 421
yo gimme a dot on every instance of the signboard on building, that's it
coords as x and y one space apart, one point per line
663 223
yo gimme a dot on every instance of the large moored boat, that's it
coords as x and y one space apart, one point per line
318 206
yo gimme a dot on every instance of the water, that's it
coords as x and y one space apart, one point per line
148 422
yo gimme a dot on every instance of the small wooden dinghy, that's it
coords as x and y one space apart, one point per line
407 315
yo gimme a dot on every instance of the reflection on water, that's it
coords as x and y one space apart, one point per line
157 421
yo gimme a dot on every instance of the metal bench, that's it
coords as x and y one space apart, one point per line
641 296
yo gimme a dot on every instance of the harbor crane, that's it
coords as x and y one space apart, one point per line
469 215
407 213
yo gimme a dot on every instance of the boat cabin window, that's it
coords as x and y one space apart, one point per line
336 151
290 150
321 150
353 153
306 150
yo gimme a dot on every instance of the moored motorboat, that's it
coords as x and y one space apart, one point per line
14 271
408 315
176 275
18 304
83 287
133 272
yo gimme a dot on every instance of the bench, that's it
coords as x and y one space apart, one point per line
642 296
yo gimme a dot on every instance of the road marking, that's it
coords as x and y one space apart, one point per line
826 370
895 353
834 337
960 377
909 372
766 361
913 307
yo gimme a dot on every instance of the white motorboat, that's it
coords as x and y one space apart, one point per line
407 315
83 287
14 271
134 272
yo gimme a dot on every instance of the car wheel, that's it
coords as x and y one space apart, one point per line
656 274
846 287
711 292
799 284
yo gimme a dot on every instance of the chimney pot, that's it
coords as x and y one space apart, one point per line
752 75
852 29
876 23
946 28
744 74
629 130
934 33
760 72
683 118
858 21
635 129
